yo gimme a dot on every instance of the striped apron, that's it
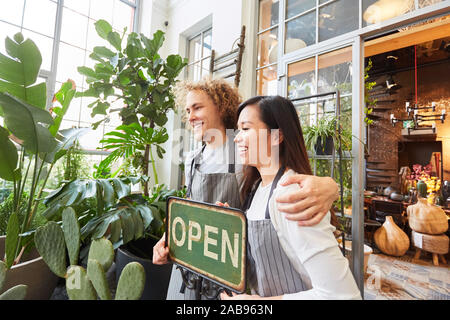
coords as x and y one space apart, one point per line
209 188
270 272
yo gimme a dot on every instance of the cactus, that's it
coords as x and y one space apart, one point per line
49 240
131 282
78 285
15 293
2 274
97 276
71 230
116 227
102 250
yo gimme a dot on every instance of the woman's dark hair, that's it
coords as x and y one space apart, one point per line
279 113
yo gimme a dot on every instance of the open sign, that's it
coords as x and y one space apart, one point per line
209 240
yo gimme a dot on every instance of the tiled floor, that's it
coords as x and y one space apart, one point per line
402 278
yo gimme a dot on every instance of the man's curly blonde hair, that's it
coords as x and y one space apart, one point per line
224 95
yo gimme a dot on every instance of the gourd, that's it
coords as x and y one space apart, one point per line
390 239
427 218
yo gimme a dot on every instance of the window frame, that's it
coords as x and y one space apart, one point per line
50 75
202 58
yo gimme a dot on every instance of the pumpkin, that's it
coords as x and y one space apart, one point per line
427 218
390 239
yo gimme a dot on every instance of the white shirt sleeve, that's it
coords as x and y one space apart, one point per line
315 250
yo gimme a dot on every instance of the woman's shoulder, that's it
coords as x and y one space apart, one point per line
290 187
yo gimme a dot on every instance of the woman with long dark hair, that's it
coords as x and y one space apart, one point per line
285 261
211 173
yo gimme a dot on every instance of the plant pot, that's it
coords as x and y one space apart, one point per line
156 277
33 272
325 148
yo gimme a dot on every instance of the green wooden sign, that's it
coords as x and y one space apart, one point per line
209 240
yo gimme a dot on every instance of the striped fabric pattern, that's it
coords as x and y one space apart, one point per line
271 272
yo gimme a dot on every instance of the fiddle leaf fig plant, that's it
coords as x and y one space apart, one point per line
133 74
30 139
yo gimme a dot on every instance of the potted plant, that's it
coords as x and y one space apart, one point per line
134 74
323 137
30 145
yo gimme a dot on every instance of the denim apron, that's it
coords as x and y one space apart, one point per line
270 272
206 187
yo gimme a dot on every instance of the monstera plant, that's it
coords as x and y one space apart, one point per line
30 139
133 74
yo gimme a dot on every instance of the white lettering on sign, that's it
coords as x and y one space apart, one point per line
191 236
208 241
226 244
194 234
180 242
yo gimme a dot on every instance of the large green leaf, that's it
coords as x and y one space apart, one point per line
65 139
12 239
26 123
64 96
20 72
114 38
8 156
50 243
103 28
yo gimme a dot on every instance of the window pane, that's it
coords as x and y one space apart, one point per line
78 6
301 78
6 30
123 16
295 7
424 3
194 71
305 112
12 12
300 32
91 140
195 49
72 21
335 71
207 37
268 13
266 81
45 45
376 11
102 9
268 47
323 168
205 67
337 18
70 58
35 11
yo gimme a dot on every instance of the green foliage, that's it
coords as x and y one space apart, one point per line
327 127
78 285
71 229
97 276
50 243
7 208
131 282
18 292
129 140
133 73
26 123
15 293
102 251
368 85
